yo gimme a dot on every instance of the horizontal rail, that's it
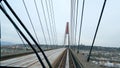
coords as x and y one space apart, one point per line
60 62
75 63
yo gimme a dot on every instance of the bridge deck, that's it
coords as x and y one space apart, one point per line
31 60
83 60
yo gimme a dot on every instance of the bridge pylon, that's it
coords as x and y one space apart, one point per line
67 36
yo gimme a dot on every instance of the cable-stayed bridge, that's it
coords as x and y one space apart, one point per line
50 54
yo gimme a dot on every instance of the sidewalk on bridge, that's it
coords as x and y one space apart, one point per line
83 60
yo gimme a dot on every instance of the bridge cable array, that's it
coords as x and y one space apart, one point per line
52 33
53 20
74 21
45 18
15 29
18 29
30 21
50 21
27 32
74 15
40 21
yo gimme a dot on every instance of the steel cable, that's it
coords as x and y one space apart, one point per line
81 21
43 31
16 27
96 30
49 37
76 19
51 30
53 15
26 30
30 20
40 22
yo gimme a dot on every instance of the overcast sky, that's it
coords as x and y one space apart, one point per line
109 30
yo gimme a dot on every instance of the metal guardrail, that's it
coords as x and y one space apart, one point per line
75 61
60 62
